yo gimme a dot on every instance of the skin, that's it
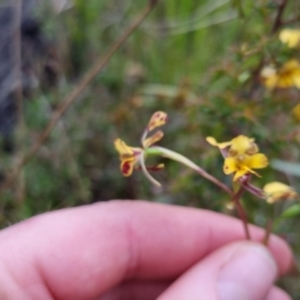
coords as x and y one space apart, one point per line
132 250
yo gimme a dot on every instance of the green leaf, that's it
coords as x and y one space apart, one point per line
292 212
291 168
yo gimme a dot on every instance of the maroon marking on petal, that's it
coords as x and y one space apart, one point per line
154 168
126 168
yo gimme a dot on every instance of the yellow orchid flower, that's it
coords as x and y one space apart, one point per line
211 140
276 191
290 37
239 145
158 119
242 156
244 164
242 145
286 77
133 156
129 156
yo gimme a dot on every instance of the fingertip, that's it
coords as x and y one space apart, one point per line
241 270
282 254
248 273
276 293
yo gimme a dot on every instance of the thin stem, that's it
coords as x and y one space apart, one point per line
277 24
18 98
184 160
254 190
80 87
278 20
243 216
143 166
268 232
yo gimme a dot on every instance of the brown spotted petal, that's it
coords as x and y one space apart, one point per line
158 119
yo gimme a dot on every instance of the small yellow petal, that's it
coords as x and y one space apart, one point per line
126 151
230 165
155 168
157 136
213 142
276 191
158 119
291 65
271 82
160 166
290 37
122 148
288 75
242 145
240 173
269 77
129 156
296 80
285 77
296 112
256 161
239 166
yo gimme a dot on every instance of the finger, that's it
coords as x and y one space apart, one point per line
278 294
152 290
136 290
81 252
242 270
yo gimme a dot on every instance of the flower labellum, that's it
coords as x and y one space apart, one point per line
132 157
277 191
242 156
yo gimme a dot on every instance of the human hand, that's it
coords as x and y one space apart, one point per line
138 250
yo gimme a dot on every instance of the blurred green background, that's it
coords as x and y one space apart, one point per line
199 61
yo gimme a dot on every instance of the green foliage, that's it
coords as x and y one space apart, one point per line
291 212
199 61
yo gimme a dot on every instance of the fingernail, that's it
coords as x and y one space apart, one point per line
248 274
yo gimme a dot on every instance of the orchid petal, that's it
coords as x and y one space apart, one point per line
230 165
256 161
242 145
157 136
158 119
240 173
290 37
126 167
147 174
122 148
276 191
213 142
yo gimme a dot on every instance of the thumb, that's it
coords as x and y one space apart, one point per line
239 271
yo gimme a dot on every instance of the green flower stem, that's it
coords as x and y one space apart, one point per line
182 159
153 151
142 164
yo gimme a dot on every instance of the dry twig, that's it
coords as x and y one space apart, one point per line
86 80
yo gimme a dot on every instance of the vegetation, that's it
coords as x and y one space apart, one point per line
218 68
